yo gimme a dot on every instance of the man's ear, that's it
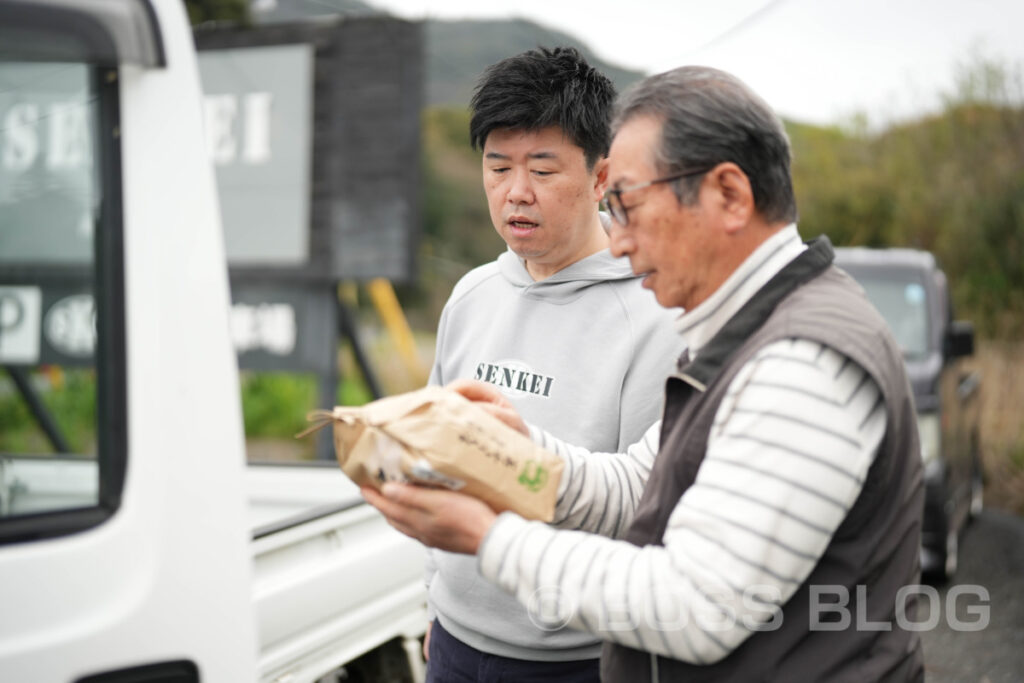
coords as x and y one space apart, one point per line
601 167
734 195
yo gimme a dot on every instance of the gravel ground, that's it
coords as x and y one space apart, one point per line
992 559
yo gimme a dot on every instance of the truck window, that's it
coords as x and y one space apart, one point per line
62 440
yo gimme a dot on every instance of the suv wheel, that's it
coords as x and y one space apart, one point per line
952 559
977 487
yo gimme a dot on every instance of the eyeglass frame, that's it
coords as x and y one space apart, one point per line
616 193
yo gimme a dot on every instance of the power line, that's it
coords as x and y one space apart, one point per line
747 21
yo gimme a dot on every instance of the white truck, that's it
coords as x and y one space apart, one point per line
154 553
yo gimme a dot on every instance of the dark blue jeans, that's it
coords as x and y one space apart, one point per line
452 661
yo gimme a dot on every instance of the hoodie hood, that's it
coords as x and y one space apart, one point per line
569 283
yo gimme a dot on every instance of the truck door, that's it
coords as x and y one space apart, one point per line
123 539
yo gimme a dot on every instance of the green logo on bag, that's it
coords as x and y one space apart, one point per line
533 476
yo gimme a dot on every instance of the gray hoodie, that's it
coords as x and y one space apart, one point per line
583 354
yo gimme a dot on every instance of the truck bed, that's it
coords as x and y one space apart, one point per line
331 580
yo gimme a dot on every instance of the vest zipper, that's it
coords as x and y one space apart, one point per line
654 668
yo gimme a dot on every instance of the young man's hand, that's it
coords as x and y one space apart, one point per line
435 517
491 400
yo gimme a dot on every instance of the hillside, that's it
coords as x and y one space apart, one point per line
457 51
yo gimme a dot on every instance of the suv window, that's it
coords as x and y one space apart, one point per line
62 442
902 299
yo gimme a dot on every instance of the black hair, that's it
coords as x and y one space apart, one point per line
541 88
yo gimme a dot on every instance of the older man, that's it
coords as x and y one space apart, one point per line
777 531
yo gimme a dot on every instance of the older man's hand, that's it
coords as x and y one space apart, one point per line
435 517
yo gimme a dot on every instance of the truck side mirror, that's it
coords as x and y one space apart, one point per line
959 339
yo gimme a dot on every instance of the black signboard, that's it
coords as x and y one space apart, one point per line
361 80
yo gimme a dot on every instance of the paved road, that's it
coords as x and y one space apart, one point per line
992 558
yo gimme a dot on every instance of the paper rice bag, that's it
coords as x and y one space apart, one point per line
437 437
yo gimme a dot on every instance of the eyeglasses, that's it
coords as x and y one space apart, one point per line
612 200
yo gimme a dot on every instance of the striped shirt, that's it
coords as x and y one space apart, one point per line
787 456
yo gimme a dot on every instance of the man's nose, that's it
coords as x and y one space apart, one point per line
520 191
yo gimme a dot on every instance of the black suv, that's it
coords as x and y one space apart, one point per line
910 291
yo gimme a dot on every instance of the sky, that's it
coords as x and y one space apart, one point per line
817 61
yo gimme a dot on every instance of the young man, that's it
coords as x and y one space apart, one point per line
778 529
556 323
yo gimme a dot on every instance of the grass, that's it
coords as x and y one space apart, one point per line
1002 431
274 408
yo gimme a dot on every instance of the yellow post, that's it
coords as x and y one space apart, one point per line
390 311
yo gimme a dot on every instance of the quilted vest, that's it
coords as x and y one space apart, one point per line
874 552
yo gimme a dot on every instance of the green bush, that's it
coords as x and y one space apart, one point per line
951 183
70 397
275 404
